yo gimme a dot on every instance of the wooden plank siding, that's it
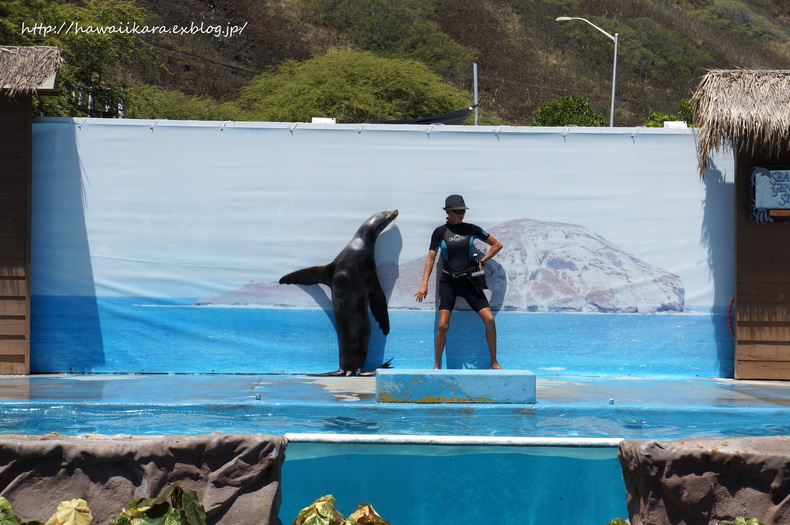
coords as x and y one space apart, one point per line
762 273
15 184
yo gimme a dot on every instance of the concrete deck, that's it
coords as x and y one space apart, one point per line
197 388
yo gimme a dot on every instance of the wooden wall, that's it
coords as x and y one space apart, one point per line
762 273
15 184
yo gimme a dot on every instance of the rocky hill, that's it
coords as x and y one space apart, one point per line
525 58
545 267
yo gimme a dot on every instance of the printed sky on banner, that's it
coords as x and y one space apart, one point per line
144 209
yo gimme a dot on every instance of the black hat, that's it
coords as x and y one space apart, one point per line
455 202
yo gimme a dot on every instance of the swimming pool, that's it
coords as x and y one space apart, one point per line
628 408
414 481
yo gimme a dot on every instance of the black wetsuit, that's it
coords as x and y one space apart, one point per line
456 242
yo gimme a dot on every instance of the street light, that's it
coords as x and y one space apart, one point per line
614 69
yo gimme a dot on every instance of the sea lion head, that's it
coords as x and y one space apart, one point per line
377 222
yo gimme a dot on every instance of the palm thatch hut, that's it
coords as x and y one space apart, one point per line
25 72
28 70
749 111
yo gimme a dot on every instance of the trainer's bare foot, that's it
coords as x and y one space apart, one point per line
495 366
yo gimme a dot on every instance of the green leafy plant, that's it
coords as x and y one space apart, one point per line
92 81
747 521
685 112
350 86
7 516
174 506
74 512
573 110
323 512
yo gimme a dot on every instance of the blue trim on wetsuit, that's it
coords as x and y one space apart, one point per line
450 237
456 242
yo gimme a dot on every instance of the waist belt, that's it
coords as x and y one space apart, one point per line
458 275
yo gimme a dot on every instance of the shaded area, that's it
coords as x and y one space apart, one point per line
453 118
717 236
63 291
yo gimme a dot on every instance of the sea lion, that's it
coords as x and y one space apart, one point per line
355 287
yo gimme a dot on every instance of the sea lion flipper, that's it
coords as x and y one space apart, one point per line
349 279
378 307
336 373
387 364
311 275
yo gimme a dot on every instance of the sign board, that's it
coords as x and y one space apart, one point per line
770 194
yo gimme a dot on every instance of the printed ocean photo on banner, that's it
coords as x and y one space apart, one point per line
158 246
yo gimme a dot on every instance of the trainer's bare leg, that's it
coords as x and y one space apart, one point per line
488 320
441 337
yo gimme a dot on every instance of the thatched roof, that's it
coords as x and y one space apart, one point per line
26 69
743 109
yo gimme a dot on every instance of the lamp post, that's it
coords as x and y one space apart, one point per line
614 69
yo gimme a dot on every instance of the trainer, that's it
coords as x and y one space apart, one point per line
455 240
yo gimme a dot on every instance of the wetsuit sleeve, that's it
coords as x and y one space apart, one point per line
436 239
480 233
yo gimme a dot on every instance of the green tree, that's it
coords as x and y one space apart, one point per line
150 102
396 28
92 81
351 87
573 110
685 112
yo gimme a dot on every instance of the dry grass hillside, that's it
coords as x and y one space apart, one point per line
525 58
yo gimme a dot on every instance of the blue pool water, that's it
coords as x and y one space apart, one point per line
241 370
412 484
134 335
407 484
427 485
630 422
630 408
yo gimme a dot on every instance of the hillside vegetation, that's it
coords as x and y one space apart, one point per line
525 57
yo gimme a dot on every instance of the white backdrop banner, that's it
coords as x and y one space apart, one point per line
158 245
